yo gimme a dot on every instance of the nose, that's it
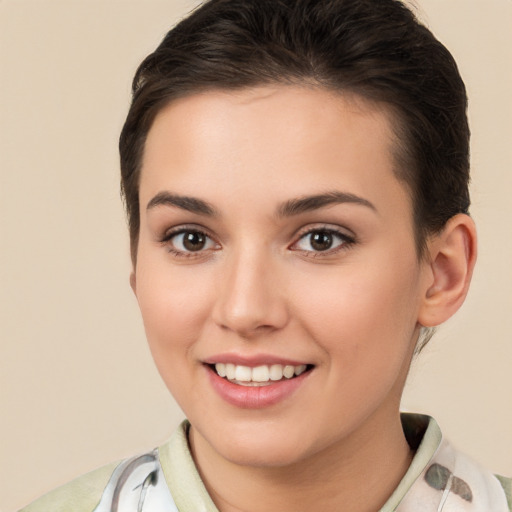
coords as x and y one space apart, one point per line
251 298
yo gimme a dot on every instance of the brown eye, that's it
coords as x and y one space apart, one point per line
189 241
194 241
321 240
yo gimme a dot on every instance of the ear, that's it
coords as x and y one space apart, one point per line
452 259
133 282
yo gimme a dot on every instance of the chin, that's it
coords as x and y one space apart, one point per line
265 446
262 455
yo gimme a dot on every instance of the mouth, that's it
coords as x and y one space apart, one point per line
258 376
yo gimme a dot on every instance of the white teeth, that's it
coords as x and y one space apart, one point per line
258 374
276 372
289 371
243 373
230 371
300 369
220 368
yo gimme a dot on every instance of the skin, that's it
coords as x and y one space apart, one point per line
259 287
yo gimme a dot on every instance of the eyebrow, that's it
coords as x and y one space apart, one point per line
191 204
309 203
289 208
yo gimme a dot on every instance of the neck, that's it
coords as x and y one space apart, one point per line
340 478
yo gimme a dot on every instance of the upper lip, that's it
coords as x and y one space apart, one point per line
252 360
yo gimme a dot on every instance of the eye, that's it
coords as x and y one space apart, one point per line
322 240
187 241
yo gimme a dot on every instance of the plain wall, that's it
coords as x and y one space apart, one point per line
77 384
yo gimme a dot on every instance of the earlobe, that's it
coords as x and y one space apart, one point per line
452 259
133 282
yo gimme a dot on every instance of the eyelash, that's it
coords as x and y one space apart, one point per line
346 242
169 235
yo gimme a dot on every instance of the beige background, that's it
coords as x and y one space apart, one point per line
78 387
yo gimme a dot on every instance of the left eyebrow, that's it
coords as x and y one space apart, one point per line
191 204
314 202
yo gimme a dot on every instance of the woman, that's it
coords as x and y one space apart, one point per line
295 176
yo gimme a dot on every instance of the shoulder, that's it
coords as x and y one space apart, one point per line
445 477
506 483
79 495
135 484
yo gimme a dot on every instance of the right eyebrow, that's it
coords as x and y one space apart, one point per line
308 203
191 204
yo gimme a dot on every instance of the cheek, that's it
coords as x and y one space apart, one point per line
175 304
363 313
365 323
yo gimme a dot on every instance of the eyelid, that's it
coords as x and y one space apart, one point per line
175 230
331 228
348 237
170 233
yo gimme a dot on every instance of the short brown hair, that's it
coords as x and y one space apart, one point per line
374 48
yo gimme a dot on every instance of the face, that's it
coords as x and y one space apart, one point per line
277 274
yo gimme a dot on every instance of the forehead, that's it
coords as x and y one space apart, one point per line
296 140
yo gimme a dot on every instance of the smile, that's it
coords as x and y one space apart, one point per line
263 375
257 387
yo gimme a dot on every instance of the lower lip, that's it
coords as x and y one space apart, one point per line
255 397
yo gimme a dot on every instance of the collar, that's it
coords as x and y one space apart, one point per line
439 479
